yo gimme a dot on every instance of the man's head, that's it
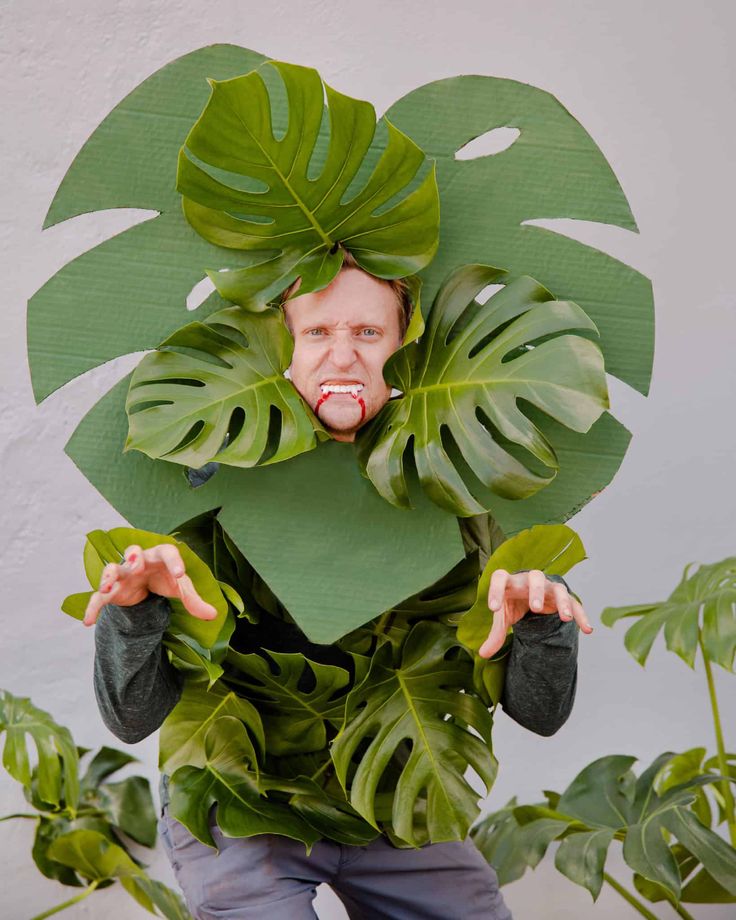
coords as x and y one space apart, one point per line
343 335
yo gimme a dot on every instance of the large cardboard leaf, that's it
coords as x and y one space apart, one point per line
553 169
249 187
461 384
306 508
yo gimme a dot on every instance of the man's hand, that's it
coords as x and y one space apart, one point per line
159 570
510 597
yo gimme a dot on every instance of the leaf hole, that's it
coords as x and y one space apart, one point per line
199 293
273 439
188 438
489 143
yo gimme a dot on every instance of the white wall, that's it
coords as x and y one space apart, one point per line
653 82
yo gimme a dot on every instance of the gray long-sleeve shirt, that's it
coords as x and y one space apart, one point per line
137 687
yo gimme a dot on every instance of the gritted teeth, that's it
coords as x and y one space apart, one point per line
352 388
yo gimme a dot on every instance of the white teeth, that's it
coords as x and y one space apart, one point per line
352 388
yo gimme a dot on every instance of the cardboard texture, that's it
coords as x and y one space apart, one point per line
129 293
295 522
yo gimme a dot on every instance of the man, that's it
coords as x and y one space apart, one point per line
343 336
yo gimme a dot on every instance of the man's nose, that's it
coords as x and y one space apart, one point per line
343 351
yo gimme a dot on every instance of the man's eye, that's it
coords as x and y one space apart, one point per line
370 331
315 332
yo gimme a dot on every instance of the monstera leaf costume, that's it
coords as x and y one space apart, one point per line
260 177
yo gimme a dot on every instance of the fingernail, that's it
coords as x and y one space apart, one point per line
536 603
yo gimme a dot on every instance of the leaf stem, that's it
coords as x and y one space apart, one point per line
681 912
722 761
628 896
19 815
70 903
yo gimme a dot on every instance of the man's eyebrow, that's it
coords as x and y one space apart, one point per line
363 325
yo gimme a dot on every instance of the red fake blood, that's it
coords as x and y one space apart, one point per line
323 398
362 406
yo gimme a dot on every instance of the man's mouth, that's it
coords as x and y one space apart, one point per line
350 389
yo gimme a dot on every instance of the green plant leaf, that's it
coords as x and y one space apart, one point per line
704 889
185 729
717 857
582 857
330 815
245 188
167 902
104 763
216 391
130 807
295 720
226 780
461 383
710 591
56 755
92 855
412 701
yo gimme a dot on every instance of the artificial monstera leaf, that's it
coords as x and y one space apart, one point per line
226 778
297 699
413 702
216 391
295 204
710 591
56 778
461 384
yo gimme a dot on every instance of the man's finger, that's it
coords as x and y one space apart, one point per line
497 588
497 635
170 556
580 616
193 602
96 603
537 583
563 601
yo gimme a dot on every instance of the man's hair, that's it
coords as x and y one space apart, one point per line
400 287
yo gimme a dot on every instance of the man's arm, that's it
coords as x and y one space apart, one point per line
541 676
135 684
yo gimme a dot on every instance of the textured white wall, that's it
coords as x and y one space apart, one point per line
654 85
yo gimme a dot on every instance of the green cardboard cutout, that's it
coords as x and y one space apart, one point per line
501 409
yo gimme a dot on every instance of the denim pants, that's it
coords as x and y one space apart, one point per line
270 876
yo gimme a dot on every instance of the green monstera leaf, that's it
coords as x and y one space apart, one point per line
226 778
462 381
427 700
607 801
707 597
295 205
183 734
216 391
295 719
56 770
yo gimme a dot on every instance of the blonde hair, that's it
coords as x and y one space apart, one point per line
400 287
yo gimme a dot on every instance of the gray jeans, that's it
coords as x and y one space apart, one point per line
271 876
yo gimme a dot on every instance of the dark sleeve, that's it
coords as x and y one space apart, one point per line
135 684
541 675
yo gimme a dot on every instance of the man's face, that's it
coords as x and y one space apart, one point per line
343 336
